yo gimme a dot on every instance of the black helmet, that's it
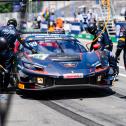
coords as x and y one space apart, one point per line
92 28
12 22
3 43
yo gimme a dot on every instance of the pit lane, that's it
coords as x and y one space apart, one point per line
87 107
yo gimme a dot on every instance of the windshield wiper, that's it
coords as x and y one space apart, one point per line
60 47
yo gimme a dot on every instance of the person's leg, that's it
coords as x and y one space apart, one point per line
120 47
8 66
114 65
1 74
124 58
92 44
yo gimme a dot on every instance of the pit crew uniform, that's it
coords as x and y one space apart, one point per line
103 39
10 33
121 46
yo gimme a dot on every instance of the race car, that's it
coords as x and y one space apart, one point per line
60 62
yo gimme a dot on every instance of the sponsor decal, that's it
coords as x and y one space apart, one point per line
39 56
72 75
40 80
69 65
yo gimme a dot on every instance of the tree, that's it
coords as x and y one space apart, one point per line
6 7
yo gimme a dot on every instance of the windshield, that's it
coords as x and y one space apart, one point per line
55 46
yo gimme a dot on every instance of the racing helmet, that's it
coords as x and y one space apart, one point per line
92 28
12 22
3 44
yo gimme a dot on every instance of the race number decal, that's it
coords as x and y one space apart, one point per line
33 44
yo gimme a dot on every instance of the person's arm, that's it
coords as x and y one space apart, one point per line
101 41
25 45
120 46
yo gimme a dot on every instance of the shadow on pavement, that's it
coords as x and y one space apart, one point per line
5 102
69 94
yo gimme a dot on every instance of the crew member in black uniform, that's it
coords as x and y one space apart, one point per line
105 44
99 37
8 35
121 46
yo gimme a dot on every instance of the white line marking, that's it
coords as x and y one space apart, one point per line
122 67
123 75
115 44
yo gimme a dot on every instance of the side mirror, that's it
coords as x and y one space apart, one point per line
96 46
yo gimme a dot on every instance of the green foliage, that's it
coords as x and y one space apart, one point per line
6 7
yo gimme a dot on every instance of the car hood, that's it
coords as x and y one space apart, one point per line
65 63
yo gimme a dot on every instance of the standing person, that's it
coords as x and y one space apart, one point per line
85 17
121 46
52 17
80 17
99 37
59 23
106 45
39 21
91 18
51 27
8 35
67 27
81 20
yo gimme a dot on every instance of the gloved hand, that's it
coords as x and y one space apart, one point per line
34 51
107 47
117 59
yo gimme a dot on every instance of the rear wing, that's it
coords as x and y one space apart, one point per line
38 31
47 37
43 35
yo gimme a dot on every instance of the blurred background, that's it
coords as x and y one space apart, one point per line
29 12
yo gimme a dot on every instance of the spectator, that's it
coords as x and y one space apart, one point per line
91 18
39 21
80 17
51 27
52 17
67 27
59 23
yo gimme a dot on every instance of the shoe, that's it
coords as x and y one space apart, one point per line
116 78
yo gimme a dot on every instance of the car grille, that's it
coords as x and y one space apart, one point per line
61 81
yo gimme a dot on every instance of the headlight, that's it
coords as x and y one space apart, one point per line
33 66
28 65
39 68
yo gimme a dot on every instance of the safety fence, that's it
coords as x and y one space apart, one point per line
90 37
75 31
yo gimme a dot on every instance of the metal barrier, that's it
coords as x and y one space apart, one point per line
44 26
75 28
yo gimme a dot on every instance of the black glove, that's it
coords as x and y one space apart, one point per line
107 47
34 51
117 59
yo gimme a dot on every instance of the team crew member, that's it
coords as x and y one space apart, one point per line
8 36
51 27
59 23
105 45
99 37
121 46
